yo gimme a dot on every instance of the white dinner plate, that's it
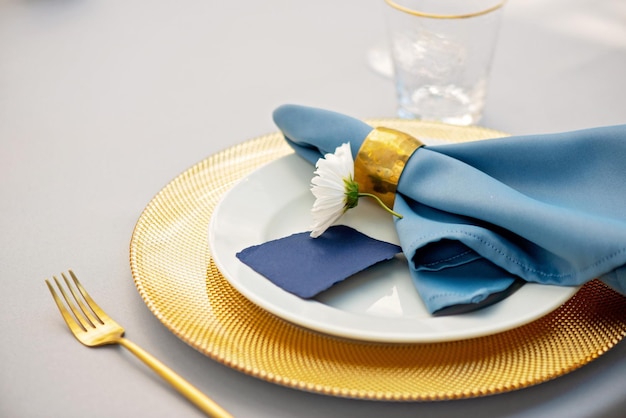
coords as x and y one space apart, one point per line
379 304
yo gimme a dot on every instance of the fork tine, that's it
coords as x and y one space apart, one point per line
67 316
81 319
88 313
97 310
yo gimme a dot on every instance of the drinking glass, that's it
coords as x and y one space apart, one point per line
442 52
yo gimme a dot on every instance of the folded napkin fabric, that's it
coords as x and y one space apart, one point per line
307 266
478 216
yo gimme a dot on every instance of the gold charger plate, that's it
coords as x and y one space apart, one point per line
172 268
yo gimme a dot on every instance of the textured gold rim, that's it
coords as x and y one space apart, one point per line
174 274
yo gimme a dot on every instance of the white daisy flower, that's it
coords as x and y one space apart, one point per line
333 177
334 189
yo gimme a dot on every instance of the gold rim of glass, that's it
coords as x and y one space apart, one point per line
418 13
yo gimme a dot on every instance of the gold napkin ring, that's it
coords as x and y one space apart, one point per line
380 161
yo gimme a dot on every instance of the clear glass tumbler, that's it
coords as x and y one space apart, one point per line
442 52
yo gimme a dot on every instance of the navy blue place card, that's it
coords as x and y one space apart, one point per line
307 266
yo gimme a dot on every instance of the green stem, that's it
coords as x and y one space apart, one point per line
381 204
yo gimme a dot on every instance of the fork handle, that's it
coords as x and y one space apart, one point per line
198 398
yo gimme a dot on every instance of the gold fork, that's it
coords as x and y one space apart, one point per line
93 327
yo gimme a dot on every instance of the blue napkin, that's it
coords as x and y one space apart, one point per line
479 216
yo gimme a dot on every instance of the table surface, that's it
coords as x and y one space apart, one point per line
102 103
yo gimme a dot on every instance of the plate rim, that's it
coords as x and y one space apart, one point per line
319 317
